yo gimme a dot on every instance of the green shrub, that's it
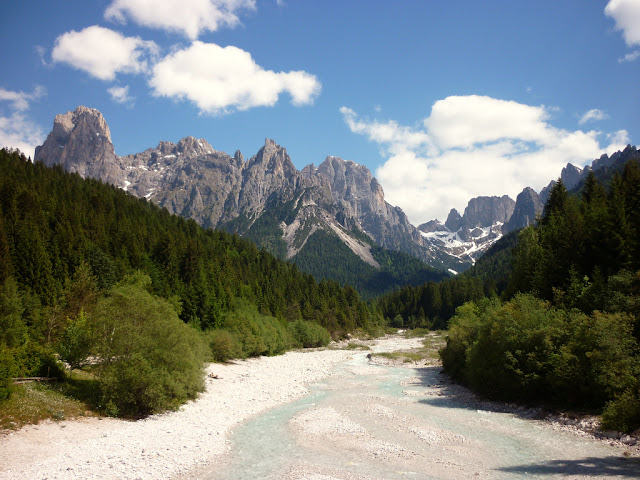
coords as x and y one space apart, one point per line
464 329
8 370
75 345
151 360
223 344
308 334
514 350
623 412
525 350
417 332
35 360
595 362
258 334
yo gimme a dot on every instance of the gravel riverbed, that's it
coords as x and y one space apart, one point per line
428 428
166 445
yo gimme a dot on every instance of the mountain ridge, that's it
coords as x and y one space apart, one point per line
264 198
487 219
268 200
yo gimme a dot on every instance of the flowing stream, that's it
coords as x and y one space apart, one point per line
378 422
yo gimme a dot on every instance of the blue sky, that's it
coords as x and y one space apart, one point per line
443 101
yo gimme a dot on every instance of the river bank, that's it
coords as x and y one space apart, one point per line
166 445
360 413
387 417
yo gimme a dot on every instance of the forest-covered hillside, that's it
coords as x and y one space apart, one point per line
80 259
553 318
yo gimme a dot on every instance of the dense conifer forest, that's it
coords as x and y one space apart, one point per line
88 271
396 270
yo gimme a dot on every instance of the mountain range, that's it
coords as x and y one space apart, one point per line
288 211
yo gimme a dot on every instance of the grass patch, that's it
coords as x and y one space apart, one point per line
405 357
82 386
431 344
30 403
357 346
417 332
435 341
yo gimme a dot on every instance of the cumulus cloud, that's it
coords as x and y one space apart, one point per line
188 17
16 129
471 146
626 14
593 115
103 53
120 94
466 121
219 80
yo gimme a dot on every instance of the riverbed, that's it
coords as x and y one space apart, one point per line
328 414
371 421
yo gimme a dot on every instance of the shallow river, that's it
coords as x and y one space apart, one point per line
377 422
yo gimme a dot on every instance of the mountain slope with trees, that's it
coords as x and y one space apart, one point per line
264 198
550 314
568 333
76 254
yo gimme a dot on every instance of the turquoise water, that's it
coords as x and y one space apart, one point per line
470 443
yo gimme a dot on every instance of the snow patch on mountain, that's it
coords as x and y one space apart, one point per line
464 244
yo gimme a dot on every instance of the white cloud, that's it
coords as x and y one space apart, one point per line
630 57
396 136
462 122
626 14
593 115
471 146
103 53
120 94
188 17
20 100
16 130
40 52
220 80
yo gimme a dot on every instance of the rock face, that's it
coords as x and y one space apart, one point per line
79 135
528 206
194 180
571 176
454 221
488 211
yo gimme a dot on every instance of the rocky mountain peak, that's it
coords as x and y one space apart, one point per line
274 159
81 142
83 118
571 176
345 175
166 148
239 158
487 211
528 206
192 146
431 226
454 220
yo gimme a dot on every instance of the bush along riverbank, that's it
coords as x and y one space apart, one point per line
529 352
